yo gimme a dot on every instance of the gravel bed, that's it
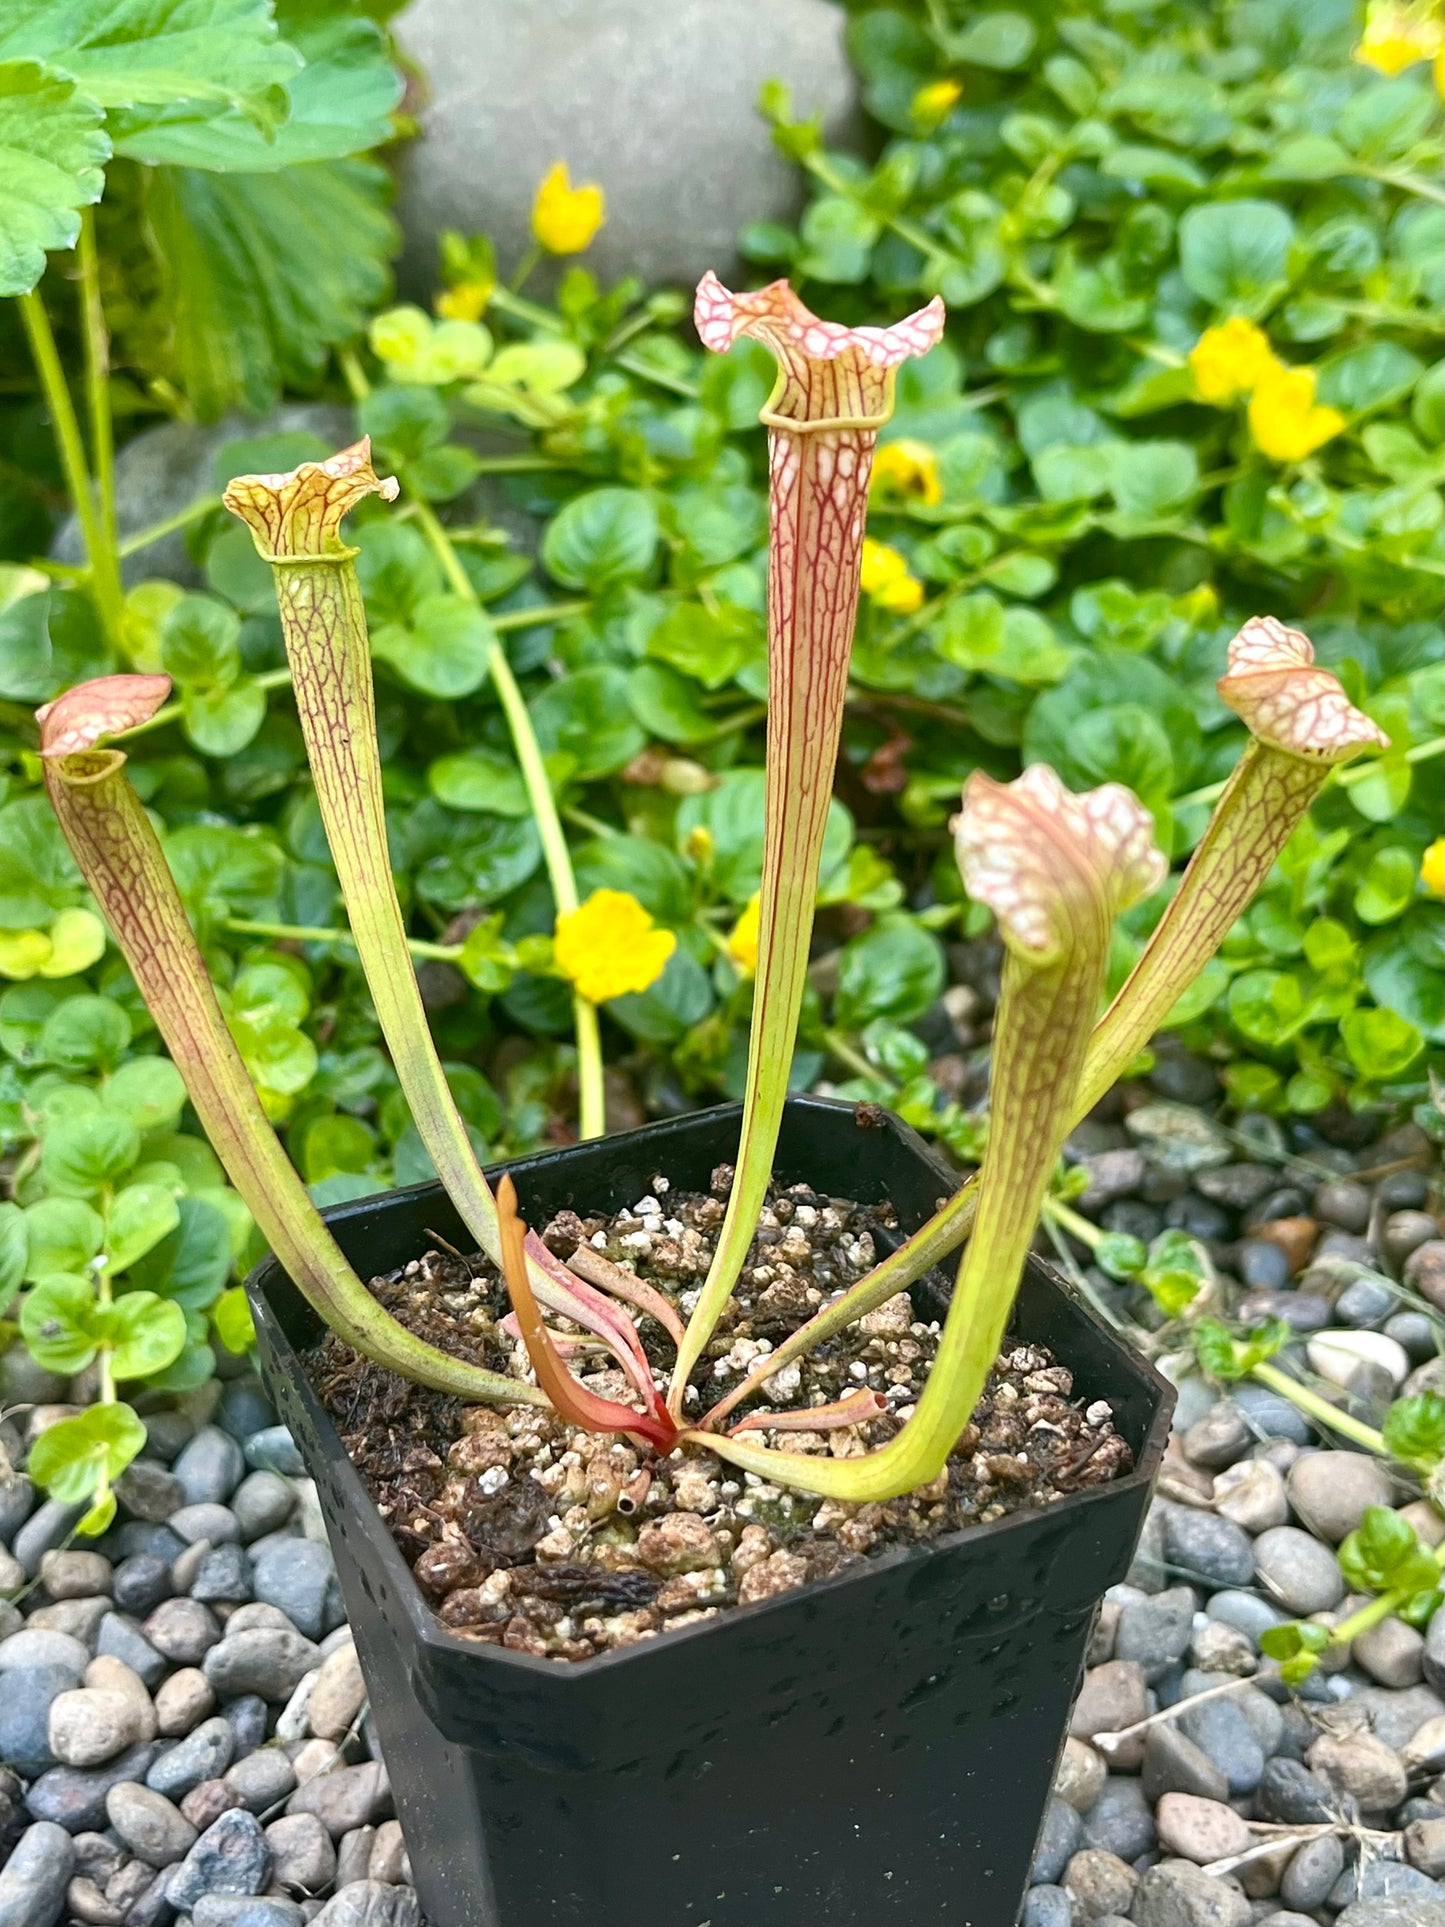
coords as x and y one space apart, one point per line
183 1723
183 1727
1343 1777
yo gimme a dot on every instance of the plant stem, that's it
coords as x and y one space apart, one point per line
182 519
1041 1034
536 617
97 376
121 859
819 483
173 712
1320 1409
105 586
313 933
1417 753
591 1089
591 1083
1088 1235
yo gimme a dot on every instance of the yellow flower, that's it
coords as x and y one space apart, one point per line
743 937
1432 868
934 103
906 469
885 579
565 218
610 945
1229 360
467 301
1286 421
1397 35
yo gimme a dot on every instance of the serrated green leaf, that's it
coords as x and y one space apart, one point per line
52 151
132 53
263 273
339 104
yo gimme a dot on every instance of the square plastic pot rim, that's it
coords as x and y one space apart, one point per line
429 1632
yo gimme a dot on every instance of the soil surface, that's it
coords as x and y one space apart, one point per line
527 1533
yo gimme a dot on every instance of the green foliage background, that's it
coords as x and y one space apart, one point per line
1112 181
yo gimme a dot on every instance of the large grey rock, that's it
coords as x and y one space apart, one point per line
1177 1894
74 1797
1331 1490
149 1824
34 1879
231 1857
658 103
370 1903
163 470
1404 1911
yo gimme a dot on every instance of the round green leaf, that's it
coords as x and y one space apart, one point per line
607 535
147 1334
62 1234
84 1151
86 1031
1234 254
68 1459
147 1090
62 1323
141 1215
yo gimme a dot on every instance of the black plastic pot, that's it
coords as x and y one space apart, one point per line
874 1749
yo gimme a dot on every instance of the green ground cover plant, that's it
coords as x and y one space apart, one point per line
1075 505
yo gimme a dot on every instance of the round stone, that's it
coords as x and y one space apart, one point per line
1212 1550
510 89
149 1824
1262 1264
1392 1653
183 1701
1404 1232
1297 1571
1362 1766
1336 1355
1365 1303
303 1860
210 1467
1331 1491
1312 1872
231 1857
262 1503
1344 1203
1424 1272
1252 1495
1200 1830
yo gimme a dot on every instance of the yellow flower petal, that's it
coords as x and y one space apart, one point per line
743 937
934 103
1396 36
1229 360
885 580
906 469
467 301
1285 420
565 218
609 946
1432 868
23 953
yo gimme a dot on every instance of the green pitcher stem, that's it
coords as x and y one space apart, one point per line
819 485
1262 804
1041 1033
120 856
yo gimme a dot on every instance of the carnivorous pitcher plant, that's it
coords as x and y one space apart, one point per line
1054 867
